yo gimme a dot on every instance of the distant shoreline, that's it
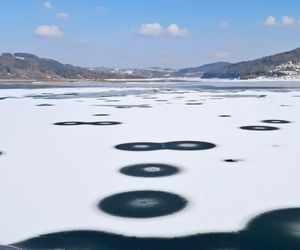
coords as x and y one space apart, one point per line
147 80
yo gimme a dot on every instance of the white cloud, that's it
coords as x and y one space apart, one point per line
156 30
63 16
50 31
175 31
151 29
224 25
271 21
222 55
285 21
288 21
101 9
48 5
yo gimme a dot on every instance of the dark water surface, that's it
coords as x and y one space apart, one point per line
275 230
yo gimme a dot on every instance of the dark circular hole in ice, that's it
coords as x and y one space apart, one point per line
259 128
189 145
149 170
69 123
142 204
232 160
276 121
124 107
132 106
194 103
279 229
45 105
104 123
112 100
101 114
140 146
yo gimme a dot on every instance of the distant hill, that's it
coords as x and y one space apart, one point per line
153 72
23 66
28 66
285 64
156 72
199 71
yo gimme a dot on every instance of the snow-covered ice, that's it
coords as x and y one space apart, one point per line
52 177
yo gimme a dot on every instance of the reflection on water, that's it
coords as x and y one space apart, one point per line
275 230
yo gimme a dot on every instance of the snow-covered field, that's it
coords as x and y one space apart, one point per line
52 177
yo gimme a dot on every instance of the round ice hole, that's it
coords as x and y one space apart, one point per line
150 170
69 123
101 114
189 145
139 146
259 128
232 160
104 123
276 121
142 204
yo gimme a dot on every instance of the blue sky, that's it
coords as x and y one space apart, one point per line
136 33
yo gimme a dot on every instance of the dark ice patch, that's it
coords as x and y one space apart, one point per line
76 123
149 170
232 160
259 128
142 204
276 121
101 114
176 145
45 105
274 230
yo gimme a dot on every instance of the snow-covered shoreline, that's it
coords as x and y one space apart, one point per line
152 80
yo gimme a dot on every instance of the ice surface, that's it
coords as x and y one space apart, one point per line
52 177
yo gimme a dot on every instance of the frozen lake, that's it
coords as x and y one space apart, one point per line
149 160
